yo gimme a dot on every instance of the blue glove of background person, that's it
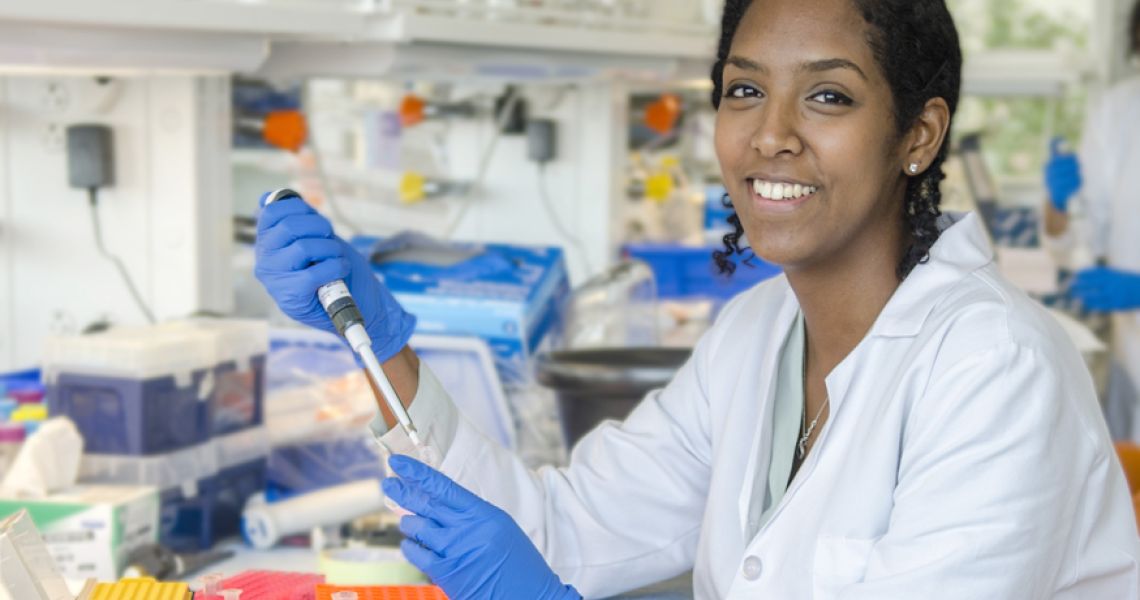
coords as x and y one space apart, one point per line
297 253
1062 175
1107 290
467 546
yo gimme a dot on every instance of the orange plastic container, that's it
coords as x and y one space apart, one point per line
384 592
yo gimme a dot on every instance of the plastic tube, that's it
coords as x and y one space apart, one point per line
263 524
211 584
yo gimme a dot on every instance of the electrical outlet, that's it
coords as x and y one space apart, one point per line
54 138
56 97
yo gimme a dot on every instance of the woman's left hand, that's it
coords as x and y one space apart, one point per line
467 546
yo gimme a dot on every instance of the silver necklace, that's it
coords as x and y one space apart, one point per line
806 433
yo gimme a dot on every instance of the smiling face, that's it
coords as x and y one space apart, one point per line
806 136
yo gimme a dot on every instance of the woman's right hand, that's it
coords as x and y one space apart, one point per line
297 253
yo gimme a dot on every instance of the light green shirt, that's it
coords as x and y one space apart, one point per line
787 418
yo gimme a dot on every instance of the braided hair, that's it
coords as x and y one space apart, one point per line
915 43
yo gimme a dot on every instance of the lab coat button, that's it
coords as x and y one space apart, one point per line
752 568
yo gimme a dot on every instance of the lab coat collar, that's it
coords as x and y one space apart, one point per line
962 249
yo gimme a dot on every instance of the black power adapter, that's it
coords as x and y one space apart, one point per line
90 156
91 166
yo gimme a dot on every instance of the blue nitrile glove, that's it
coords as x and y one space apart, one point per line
1062 175
467 546
1103 289
297 253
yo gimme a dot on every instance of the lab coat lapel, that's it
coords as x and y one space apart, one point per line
762 390
962 248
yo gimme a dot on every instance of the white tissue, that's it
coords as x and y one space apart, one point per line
48 462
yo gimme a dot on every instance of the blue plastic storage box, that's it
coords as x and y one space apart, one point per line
689 272
140 390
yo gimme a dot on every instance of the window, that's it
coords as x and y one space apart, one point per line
1025 80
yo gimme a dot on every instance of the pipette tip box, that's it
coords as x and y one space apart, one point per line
139 589
269 585
155 389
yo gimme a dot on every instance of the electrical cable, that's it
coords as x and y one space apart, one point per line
319 167
570 238
326 186
93 201
484 162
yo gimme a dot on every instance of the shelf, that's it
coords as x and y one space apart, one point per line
1023 73
366 39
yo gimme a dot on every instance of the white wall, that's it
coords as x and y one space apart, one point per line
585 181
167 216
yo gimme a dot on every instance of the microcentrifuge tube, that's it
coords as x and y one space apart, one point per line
211 584
346 595
231 594
428 454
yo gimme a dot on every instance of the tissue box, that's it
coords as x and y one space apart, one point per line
508 295
90 530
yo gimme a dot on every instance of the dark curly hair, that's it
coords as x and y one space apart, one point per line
915 43
1135 31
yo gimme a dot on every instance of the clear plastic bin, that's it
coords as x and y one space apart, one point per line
137 390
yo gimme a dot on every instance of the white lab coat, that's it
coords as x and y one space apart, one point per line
1110 161
965 457
1110 228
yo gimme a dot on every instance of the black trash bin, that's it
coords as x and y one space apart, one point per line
595 385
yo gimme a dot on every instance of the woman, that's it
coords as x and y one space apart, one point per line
1109 193
888 420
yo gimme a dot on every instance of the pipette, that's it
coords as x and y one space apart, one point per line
346 317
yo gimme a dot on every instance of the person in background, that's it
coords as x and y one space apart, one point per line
889 419
1105 180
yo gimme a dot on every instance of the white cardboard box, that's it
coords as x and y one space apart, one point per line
90 530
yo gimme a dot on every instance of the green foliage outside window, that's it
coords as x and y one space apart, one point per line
1014 143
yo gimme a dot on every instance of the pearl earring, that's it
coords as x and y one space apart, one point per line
914 168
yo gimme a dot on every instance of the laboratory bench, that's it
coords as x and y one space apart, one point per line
304 560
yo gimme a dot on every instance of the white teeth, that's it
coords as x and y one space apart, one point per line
781 191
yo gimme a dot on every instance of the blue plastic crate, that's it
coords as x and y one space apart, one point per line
18 380
689 272
134 416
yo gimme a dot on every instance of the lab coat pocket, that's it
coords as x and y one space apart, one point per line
839 562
